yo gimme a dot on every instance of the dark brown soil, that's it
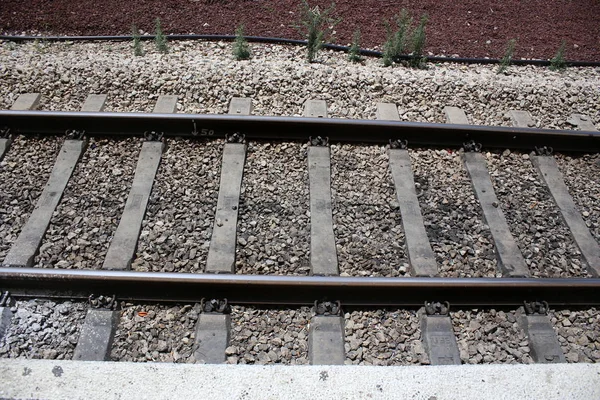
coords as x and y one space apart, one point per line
469 28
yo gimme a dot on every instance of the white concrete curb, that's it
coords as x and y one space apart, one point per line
53 379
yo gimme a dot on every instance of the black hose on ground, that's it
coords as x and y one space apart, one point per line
273 40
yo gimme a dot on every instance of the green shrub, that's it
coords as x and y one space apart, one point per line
241 50
354 52
558 62
418 44
404 40
395 44
316 26
137 42
160 39
508 55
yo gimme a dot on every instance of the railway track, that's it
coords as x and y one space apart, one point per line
299 279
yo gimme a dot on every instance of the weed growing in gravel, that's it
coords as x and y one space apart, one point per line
418 43
138 51
404 40
508 55
558 62
354 53
241 50
317 26
40 46
395 44
11 46
160 39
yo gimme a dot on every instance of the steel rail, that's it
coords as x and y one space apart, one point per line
296 42
297 290
296 128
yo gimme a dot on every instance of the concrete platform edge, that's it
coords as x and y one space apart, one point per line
59 379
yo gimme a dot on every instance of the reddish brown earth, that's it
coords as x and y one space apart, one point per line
468 28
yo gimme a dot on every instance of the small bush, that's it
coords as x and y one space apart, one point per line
558 62
316 26
160 39
387 55
418 44
404 40
395 44
241 50
354 53
138 51
508 55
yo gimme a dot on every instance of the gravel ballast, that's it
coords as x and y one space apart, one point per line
88 215
534 219
367 226
260 336
452 215
582 176
491 336
383 337
160 333
176 231
24 172
43 329
273 226
578 333
279 80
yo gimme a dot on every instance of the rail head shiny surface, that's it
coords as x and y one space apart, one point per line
210 126
271 289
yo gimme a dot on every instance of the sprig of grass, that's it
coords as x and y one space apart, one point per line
159 38
558 62
395 44
418 44
41 46
354 52
405 40
316 26
138 50
506 61
241 50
